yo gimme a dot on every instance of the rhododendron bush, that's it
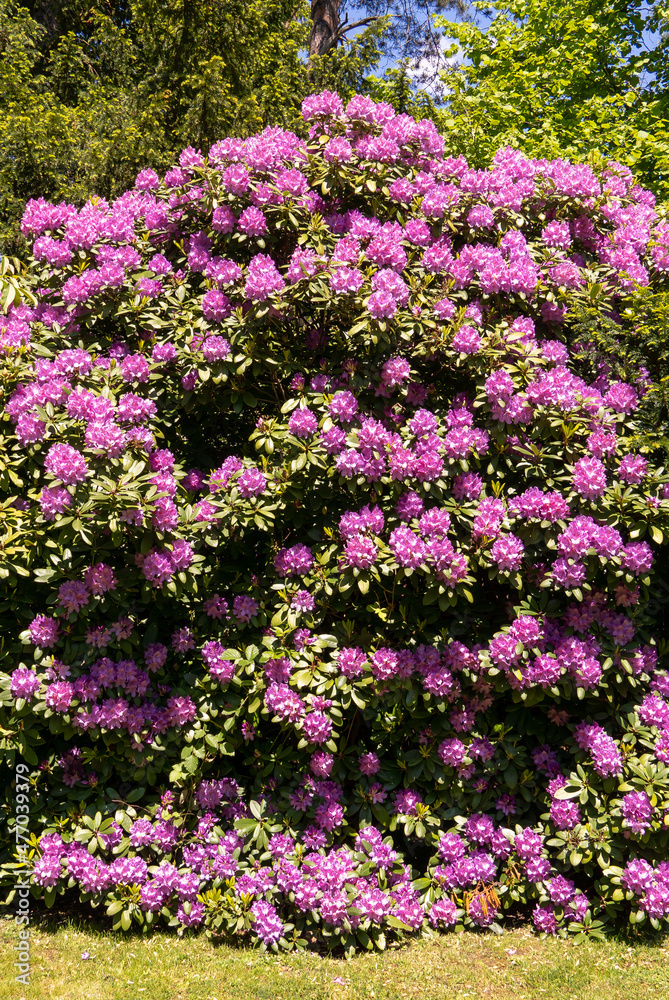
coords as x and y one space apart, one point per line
327 572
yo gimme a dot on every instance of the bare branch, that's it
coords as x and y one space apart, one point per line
344 27
341 31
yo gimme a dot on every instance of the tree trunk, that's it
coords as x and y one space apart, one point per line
324 24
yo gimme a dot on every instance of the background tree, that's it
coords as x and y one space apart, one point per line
410 33
557 78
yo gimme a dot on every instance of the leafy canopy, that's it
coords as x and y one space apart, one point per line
569 79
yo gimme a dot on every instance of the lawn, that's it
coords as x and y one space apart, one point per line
516 966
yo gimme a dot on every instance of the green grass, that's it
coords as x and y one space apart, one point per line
516 966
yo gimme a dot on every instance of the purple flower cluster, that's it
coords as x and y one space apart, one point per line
650 884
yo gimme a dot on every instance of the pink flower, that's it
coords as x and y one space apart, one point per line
507 552
252 222
303 601
637 557
303 423
66 463
216 306
589 478
100 578
466 340
236 179
134 368
324 105
24 683
294 561
73 595
223 219
633 468
637 811
338 149
360 552
568 574
621 397
317 727
251 483
408 548
381 305
368 763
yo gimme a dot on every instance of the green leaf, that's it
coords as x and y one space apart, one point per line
511 776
